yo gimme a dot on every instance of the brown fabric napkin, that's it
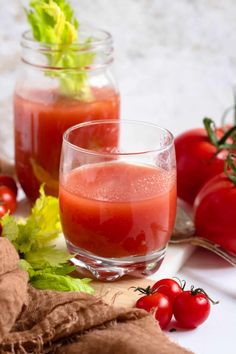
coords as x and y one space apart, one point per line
35 321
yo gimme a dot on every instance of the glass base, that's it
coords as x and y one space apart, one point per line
109 269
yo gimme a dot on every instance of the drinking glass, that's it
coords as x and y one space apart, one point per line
117 196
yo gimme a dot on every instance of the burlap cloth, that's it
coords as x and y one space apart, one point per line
36 321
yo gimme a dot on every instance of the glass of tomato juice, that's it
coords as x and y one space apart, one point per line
117 201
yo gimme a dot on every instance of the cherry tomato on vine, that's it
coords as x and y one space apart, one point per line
168 287
215 212
200 155
159 304
191 308
196 162
9 182
7 200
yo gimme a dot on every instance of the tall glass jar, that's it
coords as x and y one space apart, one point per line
50 97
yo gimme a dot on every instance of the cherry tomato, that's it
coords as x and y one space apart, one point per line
168 287
215 212
9 182
161 306
191 308
196 162
3 210
7 199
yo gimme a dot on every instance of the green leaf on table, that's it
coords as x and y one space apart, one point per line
44 219
34 238
56 278
47 257
10 228
27 267
63 269
40 229
61 282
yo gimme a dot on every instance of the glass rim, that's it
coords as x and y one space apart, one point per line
103 38
167 146
99 45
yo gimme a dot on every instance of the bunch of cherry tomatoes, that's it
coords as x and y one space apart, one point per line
167 297
8 194
206 179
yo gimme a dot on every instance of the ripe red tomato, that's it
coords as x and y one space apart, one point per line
160 304
191 309
9 182
7 199
3 210
168 287
215 212
196 162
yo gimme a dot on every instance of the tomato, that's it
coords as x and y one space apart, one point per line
7 199
168 287
196 162
9 182
161 306
191 308
3 210
215 212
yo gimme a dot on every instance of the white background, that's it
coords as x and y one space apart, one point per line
175 63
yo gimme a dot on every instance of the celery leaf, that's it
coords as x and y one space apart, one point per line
34 238
61 282
47 257
56 278
53 22
9 227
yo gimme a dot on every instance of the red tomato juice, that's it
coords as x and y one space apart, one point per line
41 118
118 209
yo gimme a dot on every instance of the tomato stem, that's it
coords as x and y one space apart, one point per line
201 291
227 135
220 144
230 168
147 291
210 127
182 282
